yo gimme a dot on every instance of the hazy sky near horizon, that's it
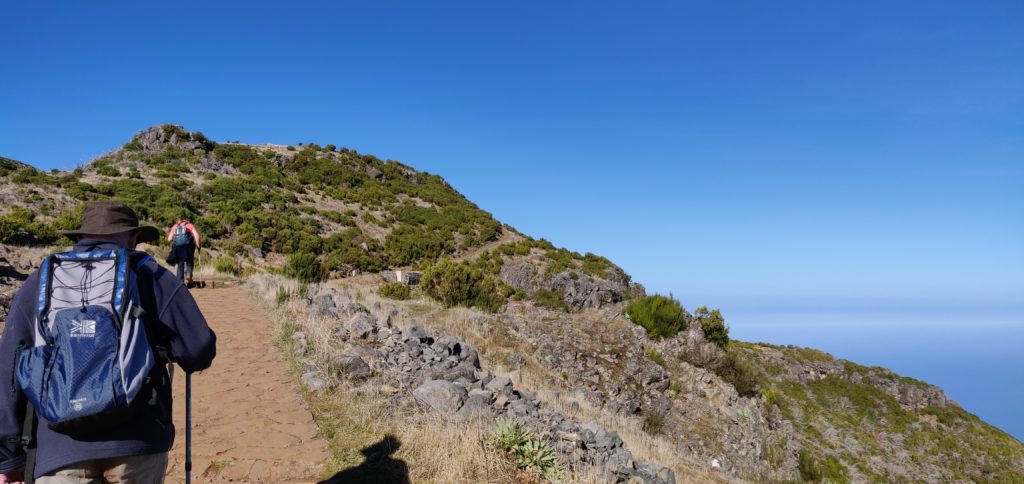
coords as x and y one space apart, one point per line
738 154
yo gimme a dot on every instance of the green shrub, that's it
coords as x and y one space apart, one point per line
653 423
738 372
661 316
528 452
395 290
655 356
816 469
305 267
713 324
133 145
32 176
674 389
596 265
408 244
344 252
283 295
460 284
227 265
107 170
19 227
549 299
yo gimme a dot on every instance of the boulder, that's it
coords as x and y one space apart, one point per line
654 473
440 396
500 384
361 326
418 333
350 309
323 304
254 252
314 380
478 405
352 367
299 344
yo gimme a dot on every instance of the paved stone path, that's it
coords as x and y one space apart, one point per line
249 424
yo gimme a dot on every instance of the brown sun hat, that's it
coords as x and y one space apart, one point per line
111 217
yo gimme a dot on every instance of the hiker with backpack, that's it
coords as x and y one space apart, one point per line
85 355
184 239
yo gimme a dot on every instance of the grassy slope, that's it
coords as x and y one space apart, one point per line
851 428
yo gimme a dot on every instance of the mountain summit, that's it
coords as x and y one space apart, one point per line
572 322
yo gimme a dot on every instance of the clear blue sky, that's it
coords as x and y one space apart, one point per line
757 156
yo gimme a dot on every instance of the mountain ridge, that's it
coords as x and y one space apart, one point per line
760 411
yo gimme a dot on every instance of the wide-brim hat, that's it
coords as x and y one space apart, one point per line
111 217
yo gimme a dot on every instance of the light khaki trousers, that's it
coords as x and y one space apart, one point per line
138 469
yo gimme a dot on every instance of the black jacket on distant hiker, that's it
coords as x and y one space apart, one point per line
181 253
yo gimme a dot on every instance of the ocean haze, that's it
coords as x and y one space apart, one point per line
973 355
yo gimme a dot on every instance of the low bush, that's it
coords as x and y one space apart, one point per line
549 299
713 324
738 372
655 357
395 290
409 243
32 176
227 265
107 170
305 267
816 469
19 227
459 284
283 295
653 423
661 316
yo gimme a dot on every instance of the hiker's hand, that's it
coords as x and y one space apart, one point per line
16 476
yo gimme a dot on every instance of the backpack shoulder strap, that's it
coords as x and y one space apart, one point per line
138 260
43 297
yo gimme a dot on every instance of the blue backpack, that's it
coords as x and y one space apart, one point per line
91 355
181 236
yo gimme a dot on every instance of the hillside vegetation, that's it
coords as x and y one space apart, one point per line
572 327
314 211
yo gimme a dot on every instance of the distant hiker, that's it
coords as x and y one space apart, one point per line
111 317
184 239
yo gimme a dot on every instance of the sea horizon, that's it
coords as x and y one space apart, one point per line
973 357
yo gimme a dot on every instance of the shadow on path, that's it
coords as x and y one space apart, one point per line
378 467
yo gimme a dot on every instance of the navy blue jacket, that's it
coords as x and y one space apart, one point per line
173 321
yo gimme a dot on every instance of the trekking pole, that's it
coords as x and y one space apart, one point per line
188 427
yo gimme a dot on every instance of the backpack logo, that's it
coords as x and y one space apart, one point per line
85 328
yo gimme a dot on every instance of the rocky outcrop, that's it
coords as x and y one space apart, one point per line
443 374
579 291
815 365
162 138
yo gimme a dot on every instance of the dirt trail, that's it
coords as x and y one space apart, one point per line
249 424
